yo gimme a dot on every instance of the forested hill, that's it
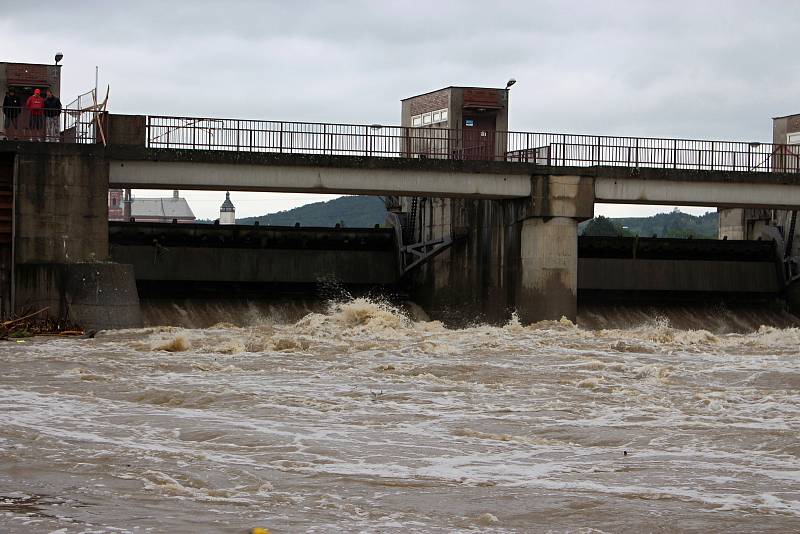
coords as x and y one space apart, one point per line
671 224
350 212
366 212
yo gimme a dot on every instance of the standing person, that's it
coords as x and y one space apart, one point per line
11 109
52 110
35 107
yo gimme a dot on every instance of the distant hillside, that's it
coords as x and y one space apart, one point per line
366 212
672 224
351 212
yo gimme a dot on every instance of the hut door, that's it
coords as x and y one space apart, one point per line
479 134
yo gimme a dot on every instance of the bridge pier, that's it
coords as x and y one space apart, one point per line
548 287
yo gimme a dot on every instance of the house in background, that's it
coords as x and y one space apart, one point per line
121 207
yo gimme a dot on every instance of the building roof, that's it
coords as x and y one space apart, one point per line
451 87
25 63
166 208
227 205
786 116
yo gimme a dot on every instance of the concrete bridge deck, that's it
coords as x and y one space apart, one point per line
163 168
248 155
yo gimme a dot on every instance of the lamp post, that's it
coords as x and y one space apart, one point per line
509 83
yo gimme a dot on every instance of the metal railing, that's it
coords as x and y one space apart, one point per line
663 153
51 125
467 144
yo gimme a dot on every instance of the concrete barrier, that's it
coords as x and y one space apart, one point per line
93 295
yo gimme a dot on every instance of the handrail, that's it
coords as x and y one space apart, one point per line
376 140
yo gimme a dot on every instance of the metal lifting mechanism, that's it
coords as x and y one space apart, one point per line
415 255
416 250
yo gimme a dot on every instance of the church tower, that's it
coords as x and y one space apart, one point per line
227 213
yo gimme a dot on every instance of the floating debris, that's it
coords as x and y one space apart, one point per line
37 323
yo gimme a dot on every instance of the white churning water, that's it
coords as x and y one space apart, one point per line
361 419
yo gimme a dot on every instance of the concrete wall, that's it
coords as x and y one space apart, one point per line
7 164
620 274
92 295
126 130
731 223
477 277
216 255
61 204
61 238
212 264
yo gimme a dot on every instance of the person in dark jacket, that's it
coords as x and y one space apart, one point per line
11 109
52 110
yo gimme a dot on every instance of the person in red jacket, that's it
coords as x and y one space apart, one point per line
35 107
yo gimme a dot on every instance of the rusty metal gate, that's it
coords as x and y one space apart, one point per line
6 232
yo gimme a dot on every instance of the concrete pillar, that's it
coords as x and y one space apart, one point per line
549 263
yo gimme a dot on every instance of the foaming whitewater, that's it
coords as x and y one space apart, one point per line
360 416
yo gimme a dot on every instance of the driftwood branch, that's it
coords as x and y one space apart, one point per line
6 324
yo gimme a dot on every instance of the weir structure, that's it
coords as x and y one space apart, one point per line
487 218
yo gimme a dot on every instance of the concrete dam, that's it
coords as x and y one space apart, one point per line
202 261
476 235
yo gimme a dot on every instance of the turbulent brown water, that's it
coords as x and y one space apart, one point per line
359 419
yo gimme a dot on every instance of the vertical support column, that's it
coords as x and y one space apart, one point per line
549 261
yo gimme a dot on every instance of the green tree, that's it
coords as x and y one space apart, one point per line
602 227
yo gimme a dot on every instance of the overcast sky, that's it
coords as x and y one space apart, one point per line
696 69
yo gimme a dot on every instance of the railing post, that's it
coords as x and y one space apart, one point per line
563 150
637 152
280 140
712 155
528 148
367 142
598 150
238 129
675 154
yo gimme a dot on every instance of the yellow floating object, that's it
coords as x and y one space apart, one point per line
259 530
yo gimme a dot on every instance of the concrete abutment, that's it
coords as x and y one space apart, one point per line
60 235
